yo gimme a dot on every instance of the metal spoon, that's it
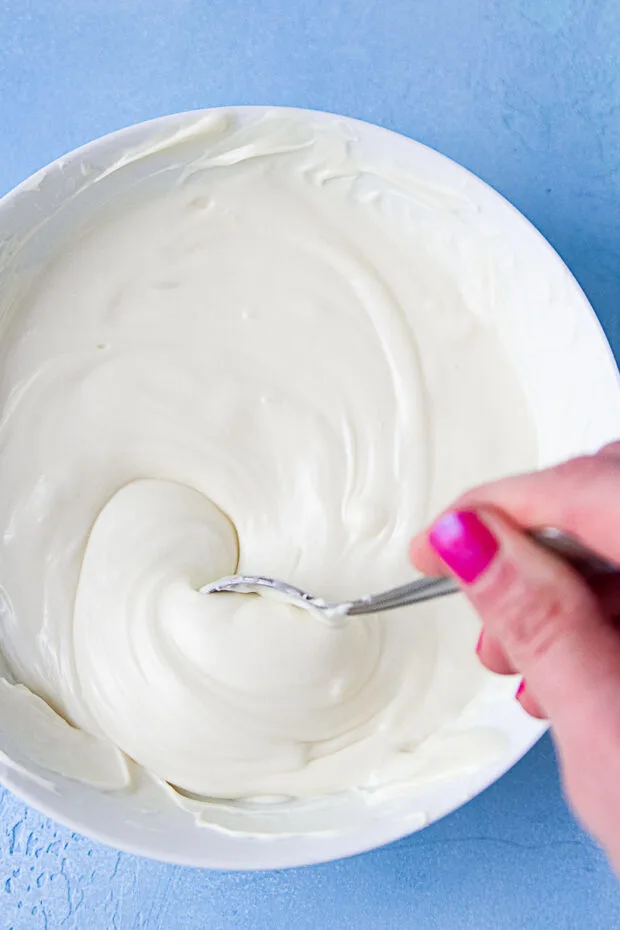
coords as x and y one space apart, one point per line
583 560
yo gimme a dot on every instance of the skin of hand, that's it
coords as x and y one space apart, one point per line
540 619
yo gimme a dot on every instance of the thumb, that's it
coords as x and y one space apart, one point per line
545 617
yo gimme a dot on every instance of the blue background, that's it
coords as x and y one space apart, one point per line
525 93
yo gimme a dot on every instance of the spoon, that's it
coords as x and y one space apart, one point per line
583 560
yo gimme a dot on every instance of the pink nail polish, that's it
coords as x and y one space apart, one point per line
464 543
520 689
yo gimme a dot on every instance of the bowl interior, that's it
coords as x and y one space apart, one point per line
551 337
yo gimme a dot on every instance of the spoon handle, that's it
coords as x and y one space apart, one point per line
582 559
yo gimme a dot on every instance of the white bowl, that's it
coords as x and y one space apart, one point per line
567 372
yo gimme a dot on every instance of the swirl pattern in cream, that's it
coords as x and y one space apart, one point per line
272 364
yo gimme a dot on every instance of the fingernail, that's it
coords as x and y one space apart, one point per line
464 543
479 643
520 689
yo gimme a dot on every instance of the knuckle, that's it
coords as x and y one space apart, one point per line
530 618
611 448
583 471
533 621
578 468
574 490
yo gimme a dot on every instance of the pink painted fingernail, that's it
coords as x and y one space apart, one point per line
464 543
479 643
520 689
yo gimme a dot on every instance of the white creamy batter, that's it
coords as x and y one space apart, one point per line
273 365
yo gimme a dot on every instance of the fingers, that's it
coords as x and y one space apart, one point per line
581 497
542 620
547 621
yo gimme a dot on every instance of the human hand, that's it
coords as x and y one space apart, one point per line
542 620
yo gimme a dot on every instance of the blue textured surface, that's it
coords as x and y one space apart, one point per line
526 93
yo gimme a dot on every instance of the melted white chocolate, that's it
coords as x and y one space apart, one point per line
273 366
